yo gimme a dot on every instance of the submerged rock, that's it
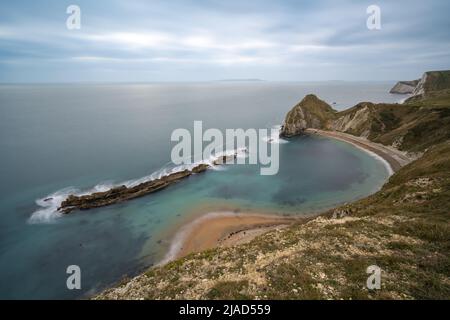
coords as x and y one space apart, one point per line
225 159
124 193
200 168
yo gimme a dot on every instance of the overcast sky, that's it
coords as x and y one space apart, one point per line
200 40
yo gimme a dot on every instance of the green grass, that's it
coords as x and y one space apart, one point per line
404 229
228 290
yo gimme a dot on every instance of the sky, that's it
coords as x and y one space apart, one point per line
207 40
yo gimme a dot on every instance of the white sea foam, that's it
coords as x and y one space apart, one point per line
379 158
48 205
102 187
402 100
275 136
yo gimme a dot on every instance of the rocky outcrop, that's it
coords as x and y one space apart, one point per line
224 159
124 193
404 87
432 81
384 227
356 120
311 112
426 87
402 126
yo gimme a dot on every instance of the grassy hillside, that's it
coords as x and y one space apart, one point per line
412 127
416 125
432 81
404 229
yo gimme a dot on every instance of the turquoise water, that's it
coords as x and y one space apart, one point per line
54 137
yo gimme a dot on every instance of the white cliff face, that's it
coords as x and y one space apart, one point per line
352 121
420 88
295 122
432 81
313 113
404 87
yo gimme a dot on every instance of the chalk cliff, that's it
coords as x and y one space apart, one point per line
404 87
311 112
404 126
404 227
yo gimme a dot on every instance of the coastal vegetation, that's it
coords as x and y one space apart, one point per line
404 228
423 121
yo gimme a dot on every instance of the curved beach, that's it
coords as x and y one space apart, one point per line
223 229
216 229
395 158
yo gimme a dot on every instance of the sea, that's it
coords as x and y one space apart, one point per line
61 139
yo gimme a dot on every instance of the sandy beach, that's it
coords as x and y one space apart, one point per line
224 229
395 158
230 228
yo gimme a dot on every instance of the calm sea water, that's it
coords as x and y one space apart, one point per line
55 137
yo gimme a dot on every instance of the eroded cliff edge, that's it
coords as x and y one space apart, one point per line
404 229
311 112
411 127
430 82
404 87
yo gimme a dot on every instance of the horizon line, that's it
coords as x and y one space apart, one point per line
188 81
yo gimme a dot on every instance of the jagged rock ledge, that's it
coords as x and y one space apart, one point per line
404 87
124 193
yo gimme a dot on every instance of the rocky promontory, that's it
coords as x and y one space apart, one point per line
431 81
123 193
402 126
404 227
311 112
404 87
